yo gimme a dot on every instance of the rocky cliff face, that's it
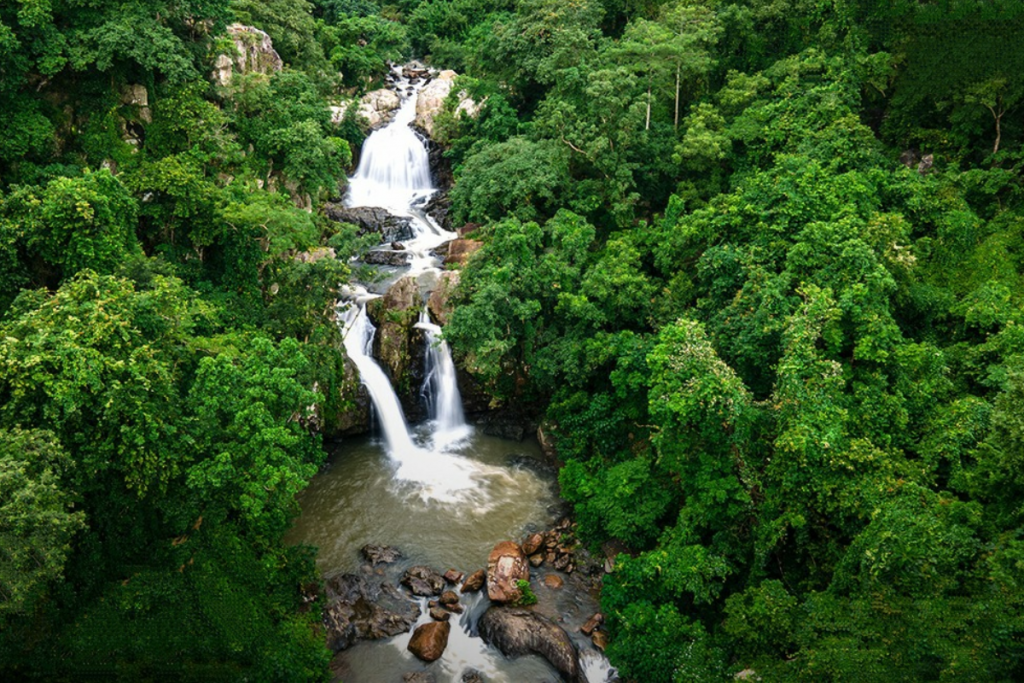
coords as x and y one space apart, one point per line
399 346
253 53
430 101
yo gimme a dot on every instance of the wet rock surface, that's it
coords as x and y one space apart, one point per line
430 640
516 631
398 345
475 581
380 554
358 609
506 566
423 581
372 220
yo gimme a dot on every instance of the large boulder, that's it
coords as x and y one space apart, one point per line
429 640
359 610
439 301
378 107
517 632
253 53
372 219
430 101
506 566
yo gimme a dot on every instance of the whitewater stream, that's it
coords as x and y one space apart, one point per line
441 492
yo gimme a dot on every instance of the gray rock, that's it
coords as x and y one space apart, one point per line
380 554
386 257
372 219
358 610
516 632
423 581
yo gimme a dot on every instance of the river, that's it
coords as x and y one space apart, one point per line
441 492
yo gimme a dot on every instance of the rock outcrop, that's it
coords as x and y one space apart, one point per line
372 219
439 301
398 345
517 632
506 566
430 101
378 107
429 640
253 53
359 610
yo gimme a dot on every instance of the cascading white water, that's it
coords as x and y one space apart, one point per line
358 336
394 169
441 386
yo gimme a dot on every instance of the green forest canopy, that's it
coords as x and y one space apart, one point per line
757 265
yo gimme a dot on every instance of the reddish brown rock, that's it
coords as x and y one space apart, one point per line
536 560
429 640
475 582
439 614
506 566
553 581
448 598
532 544
453 576
600 640
592 624
460 250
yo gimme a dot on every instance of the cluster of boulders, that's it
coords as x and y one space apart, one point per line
363 607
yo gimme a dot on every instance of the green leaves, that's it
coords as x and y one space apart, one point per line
36 518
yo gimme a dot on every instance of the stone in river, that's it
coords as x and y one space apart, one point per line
439 614
592 624
518 632
475 581
429 640
419 677
506 566
453 576
423 581
532 544
380 554
553 581
536 560
449 598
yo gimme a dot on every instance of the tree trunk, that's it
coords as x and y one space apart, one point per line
647 126
676 124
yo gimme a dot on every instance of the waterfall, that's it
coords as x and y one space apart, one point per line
358 335
441 387
394 169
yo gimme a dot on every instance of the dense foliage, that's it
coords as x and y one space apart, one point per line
167 340
759 266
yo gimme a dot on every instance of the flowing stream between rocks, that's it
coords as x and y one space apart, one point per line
442 492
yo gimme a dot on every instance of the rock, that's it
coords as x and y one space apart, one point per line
380 554
460 250
592 623
429 640
314 254
134 95
471 676
517 632
254 53
453 576
507 423
338 112
439 614
536 560
439 301
358 610
398 345
449 598
506 566
532 544
372 219
925 167
561 562
554 581
600 640
422 581
438 207
386 257
430 101
419 677
475 581
377 107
